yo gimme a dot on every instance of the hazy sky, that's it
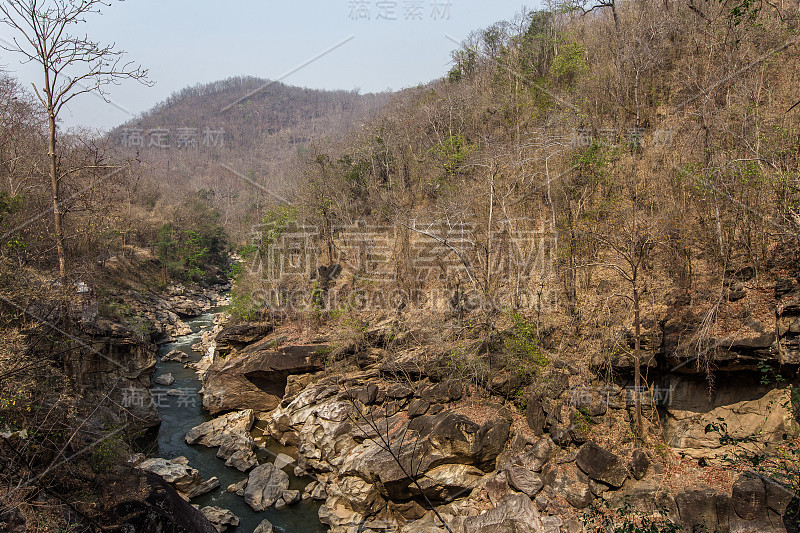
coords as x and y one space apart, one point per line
382 44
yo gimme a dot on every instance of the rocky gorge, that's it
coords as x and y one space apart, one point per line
383 439
390 443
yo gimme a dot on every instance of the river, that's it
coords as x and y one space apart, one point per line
181 413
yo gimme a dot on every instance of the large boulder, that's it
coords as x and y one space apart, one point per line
257 376
644 496
524 480
231 432
265 486
185 479
602 465
429 441
220 518
534 457
239 336
751 510
449 481
703 507
515 513
749 498
570 482
442 392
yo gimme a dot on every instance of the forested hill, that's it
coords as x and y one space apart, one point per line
237 137
250 108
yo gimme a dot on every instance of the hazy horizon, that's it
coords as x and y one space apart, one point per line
320 45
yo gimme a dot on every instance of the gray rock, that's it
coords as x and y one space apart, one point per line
264 527
257 375
366 395
291 496
220 518
442 392
542 501
568 481
237 488
778 497
515 513
749 499
602 465
231 432
535 456
319 492
551 524
524 480
282 461
175 355
448 481
242 460
202 488
185 479
597 487
417 407
639 464
703 507
265 486
164 379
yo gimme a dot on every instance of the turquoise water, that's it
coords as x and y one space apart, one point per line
181 413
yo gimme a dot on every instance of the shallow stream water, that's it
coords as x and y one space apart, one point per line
181 413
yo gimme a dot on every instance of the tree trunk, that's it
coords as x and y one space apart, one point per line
54 184
637 362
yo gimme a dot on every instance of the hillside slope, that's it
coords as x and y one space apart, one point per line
240 138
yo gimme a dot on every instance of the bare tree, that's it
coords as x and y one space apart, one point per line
630 240
71 65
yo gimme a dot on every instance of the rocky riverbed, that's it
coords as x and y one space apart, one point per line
202 457
260 422
390 444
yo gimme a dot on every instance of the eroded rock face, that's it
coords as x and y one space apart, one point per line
432 440
788 327
122 363
703 507
339 439
256 377
748 407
